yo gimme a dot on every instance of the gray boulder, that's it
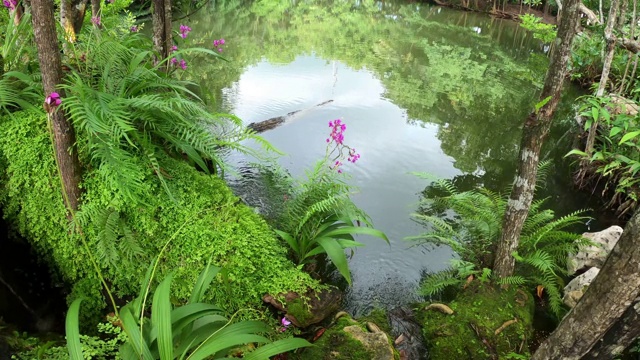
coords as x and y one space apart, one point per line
576 287
595 255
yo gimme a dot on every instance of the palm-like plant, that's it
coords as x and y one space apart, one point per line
125 109
319 217
470 223
193 331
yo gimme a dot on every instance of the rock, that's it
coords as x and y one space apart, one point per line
623 105
303 314
595 255
576 287
376 343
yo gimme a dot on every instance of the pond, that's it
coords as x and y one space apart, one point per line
421 88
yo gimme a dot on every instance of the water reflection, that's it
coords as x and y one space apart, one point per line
420 87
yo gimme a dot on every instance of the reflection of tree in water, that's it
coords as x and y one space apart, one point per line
432 62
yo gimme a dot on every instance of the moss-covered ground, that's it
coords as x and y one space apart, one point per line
337 344
471 331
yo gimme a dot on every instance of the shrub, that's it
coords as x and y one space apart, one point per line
210 222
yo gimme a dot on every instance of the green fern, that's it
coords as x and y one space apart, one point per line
470 222
125 109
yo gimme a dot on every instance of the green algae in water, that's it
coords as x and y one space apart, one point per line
470 331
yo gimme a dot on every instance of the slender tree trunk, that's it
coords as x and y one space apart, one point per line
44 30
161 19
619 337
606 300
606 68
535 130
71 17
600 13
631 35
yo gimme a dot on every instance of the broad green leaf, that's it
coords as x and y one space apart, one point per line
72 329
337 256
594 113
202 284
161 318
277 347
576 152
629 136
134 337
230 336
615 131
290 240
357 230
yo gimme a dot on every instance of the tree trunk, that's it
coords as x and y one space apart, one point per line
619 337
607 298
535 130
71 17
44 30
162 39
631 35
606 68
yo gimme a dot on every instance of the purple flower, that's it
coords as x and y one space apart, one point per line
183 64
218 43
10 4
174 48
134 28
174 61
285 323
184 30
95 20
52 101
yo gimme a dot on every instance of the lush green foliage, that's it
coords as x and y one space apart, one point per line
209 220
616 157
470 223
125 110
319 218
195 330
542 31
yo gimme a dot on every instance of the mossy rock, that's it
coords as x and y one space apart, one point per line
339 342
478 312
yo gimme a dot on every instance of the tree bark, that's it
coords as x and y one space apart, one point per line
606 68
71 17
162 39
619 337
535 130
607 298
44 30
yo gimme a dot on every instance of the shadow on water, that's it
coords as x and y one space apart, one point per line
29 299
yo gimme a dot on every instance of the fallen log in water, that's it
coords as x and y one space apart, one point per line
274 122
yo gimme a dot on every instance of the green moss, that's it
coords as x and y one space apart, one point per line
486 309
206 220
335 344
379 317
300 310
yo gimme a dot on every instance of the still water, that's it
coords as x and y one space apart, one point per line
421 89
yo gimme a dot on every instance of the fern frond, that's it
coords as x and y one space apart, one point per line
434 284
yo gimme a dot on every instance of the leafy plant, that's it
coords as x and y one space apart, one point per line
127 110
320 218
616 155
193 331
470 223
542 31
